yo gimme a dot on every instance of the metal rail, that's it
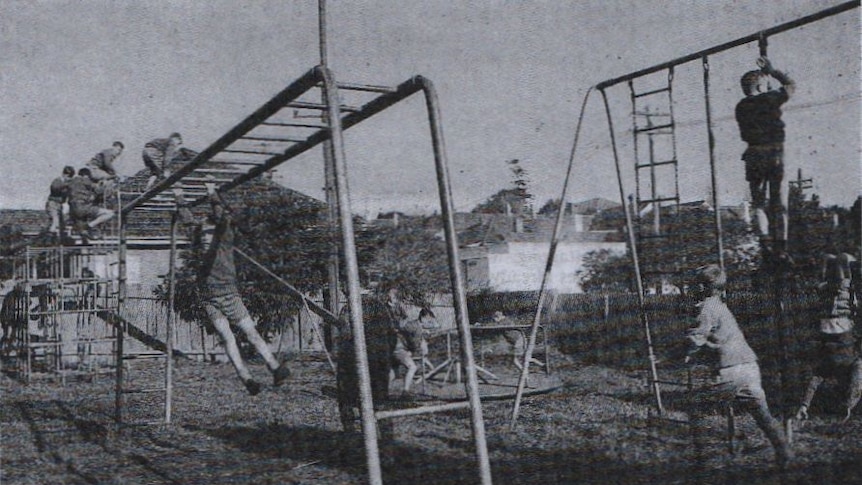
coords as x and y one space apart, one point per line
756 37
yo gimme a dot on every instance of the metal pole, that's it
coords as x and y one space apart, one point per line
457 279
118 322
169 324
329 178
369 423
719 245
558 226
734 43
635 262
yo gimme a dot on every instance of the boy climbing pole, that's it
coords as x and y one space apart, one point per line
761 127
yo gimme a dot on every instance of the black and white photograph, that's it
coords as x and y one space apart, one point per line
430 241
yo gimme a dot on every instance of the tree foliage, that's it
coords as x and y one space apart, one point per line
410 256
516 198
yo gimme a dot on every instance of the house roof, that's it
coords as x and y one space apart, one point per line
592 206
490 229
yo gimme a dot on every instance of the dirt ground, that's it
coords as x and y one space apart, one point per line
597 428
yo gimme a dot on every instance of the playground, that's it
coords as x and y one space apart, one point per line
584 392
598 428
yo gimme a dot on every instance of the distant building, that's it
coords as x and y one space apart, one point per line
508 253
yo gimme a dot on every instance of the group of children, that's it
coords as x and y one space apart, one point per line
85 190
738 379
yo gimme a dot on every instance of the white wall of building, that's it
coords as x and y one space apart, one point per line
522 267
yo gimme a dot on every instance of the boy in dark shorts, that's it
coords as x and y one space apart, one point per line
761 127
87 216
222 301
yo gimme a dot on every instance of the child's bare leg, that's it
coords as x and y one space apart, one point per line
247 326
223 328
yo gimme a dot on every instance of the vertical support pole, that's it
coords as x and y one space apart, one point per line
118 323
719 244
169 325
456 277
558 226
635 262
653 180
329 178
29 364
366 405
636 145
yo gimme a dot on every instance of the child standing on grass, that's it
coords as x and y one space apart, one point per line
737 379
411 342
838 357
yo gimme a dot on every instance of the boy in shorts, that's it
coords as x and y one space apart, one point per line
737 380
761 127
222 301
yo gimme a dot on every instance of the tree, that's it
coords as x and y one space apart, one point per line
516 198
410 256
606 271
550 208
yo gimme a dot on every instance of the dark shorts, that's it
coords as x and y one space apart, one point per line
83 212
154 159
228 306
764 163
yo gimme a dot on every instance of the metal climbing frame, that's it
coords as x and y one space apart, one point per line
273 135
761 38
58 308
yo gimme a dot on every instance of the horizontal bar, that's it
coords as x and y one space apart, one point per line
237 162
660 199
437 408
734 43
219 170
366 87
273 138
654 128
656 164
650 93
250 152
144 390
320 106
649 113
295 125
290 93
373 107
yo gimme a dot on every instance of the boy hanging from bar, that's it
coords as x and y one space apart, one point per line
838 356
737 380
222 302
760 126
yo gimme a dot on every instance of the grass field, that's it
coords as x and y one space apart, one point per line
600 427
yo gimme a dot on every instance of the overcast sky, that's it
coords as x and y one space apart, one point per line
511 75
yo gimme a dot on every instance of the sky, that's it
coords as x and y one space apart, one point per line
511 77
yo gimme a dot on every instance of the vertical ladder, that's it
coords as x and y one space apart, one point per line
654 125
